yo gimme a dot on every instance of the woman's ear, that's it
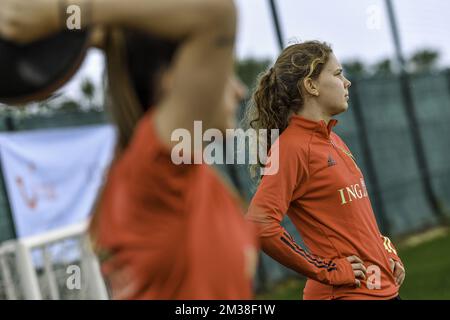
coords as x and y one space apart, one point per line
310 87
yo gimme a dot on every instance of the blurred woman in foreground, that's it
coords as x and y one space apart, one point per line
162 231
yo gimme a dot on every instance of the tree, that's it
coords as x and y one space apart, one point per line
69 106
424 60
249 69
383 67
354 68
88 89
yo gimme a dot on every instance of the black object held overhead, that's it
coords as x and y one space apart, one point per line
276 22
34 71
414 127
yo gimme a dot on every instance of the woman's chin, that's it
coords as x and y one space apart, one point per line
340 109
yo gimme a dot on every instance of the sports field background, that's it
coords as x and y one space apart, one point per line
427 272
400 193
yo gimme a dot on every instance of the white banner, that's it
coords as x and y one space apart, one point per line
52 176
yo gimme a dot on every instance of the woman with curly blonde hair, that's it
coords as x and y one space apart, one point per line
319 184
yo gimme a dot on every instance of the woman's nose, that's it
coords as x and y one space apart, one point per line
347 83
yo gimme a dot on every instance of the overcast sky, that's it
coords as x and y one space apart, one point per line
356 29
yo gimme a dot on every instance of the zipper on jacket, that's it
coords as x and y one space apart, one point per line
337 148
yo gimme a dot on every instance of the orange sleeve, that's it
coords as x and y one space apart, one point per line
267 209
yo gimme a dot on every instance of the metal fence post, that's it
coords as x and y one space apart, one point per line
27 273
97 287
10 289
413 122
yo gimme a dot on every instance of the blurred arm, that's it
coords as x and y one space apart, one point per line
202 66
204 62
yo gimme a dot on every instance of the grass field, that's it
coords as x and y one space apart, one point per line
427 273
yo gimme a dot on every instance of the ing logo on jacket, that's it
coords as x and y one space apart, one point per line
353 192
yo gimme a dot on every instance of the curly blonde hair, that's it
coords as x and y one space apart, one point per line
279 94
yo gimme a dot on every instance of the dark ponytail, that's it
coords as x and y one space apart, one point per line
135 63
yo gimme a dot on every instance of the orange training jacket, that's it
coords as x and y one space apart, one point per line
322 190
170 232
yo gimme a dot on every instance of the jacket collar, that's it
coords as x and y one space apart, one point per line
319 126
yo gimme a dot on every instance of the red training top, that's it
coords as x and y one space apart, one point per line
322 190
166 231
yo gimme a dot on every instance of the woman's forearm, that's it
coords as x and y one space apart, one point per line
173 19
282 248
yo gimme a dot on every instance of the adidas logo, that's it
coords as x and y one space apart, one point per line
331 161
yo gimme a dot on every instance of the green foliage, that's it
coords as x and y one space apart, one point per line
424 60
383 67
69 106
354 68
88 89
249 69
